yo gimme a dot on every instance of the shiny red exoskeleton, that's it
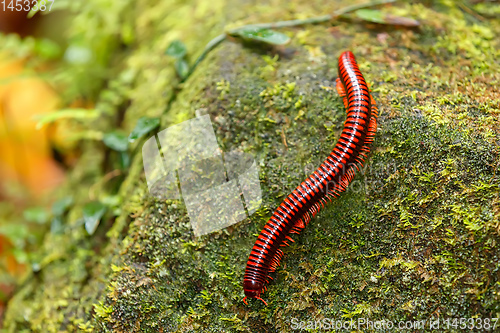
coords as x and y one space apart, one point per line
327 182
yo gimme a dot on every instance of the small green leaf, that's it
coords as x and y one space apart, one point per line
47 48
262 35
61 205
92 214
182 68
124 160
144 126
371 15
376 16
176 49
16 233
20 255
56 226
36 214
116 140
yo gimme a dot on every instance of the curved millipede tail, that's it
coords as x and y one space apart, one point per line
330 179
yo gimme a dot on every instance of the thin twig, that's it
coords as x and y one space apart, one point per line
210 46
352 8
283 24
469 10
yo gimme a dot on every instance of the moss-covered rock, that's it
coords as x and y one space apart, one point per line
415 237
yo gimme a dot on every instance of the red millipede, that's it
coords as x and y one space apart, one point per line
327 182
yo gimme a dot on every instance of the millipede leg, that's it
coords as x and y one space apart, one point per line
341 91
262 300
340 87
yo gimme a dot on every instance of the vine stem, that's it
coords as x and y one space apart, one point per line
283 24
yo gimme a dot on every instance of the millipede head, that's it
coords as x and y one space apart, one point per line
252 288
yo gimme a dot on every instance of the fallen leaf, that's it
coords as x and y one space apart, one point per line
144 126
92 214
376 16
267 36
116 140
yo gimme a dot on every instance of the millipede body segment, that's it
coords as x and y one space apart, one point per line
330 179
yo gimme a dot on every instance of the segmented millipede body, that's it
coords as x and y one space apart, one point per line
327 182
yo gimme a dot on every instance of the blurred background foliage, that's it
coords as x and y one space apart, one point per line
44 67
